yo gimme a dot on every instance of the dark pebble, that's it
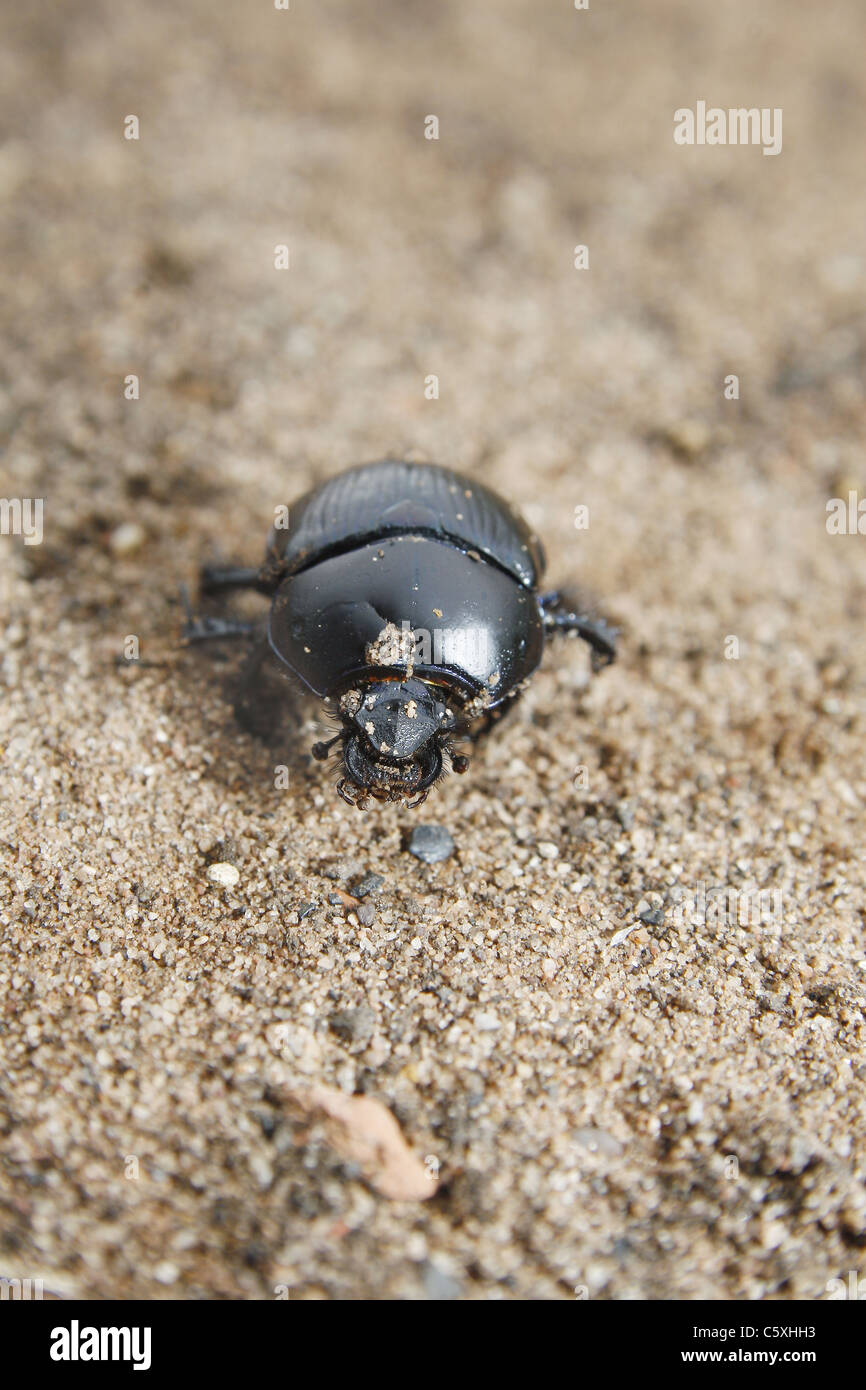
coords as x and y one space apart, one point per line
653 918
431 843
370 883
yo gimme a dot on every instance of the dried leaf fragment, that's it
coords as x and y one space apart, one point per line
363 1131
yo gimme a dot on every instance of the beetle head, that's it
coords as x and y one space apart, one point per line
394 735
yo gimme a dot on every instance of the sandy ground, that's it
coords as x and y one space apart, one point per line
674 1113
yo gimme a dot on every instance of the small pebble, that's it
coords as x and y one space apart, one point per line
366 914
370 883
653 918
619 937
127 538
547 849
226 875
598 1141
688 437
432 843
439 1285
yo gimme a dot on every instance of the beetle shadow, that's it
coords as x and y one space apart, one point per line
268 705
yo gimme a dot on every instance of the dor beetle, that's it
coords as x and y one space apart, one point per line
407 597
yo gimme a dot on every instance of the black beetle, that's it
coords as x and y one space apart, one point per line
407 596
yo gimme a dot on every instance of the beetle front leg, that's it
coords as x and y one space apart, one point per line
478 727
597 633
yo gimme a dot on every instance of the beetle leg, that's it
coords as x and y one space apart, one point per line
419 801
215 578
341 791
205 628
599 635
213 629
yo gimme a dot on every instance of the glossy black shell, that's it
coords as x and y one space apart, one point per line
414 544
395 498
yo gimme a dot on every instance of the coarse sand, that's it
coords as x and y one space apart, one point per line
621 1028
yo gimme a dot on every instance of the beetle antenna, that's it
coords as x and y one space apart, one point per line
321 750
